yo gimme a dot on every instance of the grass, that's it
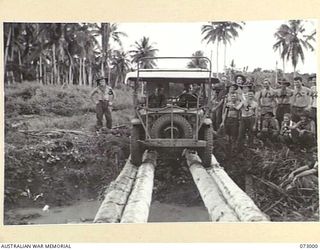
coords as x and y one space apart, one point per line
48 107
32 98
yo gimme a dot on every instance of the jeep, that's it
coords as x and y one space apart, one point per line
171 111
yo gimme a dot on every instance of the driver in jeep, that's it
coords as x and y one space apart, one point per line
157 99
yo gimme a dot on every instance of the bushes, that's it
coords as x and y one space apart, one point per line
32 98
60 168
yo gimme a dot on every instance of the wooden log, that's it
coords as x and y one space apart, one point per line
215 203
116 196
237 199
137 208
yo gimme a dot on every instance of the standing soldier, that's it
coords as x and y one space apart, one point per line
230 119
220 91
283 96
313 80
102 96
244 86
249 109
266 100
300 99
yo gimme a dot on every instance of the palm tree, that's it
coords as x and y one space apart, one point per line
198 62
109 31
220 32
291 39
121 65
144 48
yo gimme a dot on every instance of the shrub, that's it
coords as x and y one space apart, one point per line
32 98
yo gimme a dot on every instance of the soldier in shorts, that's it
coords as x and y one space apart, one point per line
102 96
248 119
283 96
230 118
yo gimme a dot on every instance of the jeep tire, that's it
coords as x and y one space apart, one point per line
162 122
136 148
205 153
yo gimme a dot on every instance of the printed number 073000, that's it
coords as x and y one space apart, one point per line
308 245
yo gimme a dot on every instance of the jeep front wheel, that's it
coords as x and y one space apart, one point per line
136 149
205 153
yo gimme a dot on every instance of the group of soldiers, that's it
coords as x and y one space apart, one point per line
282 114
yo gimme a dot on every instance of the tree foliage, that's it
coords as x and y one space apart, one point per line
292 40
143 49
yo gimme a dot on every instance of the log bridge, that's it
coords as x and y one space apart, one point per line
128 198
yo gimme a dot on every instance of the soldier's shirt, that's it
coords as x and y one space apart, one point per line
284 95
228 96
248 108
242 95
301 97
105 94
232 110
314 96
266 97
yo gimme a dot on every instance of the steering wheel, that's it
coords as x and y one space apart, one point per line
187 100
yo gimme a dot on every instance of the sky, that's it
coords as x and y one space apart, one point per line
253 47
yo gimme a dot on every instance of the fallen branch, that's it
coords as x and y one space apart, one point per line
271 185
55 131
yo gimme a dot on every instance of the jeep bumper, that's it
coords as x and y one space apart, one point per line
174 143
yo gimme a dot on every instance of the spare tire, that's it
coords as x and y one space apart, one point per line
162 127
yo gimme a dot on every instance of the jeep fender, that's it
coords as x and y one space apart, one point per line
207 121
135 121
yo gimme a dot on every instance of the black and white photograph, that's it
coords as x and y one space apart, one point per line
130 122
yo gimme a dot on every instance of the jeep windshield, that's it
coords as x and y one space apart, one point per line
188 88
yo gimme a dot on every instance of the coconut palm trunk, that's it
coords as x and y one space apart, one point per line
58 74
54 64
84 72
45 75
20 66
70 69
7 49
40 70
105 31
218 59
80 71
225 56
90 83
70 74
116 81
